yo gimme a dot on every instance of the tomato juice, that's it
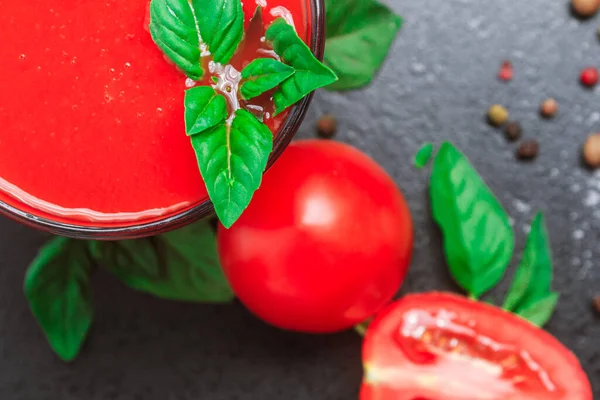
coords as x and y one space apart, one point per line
92 113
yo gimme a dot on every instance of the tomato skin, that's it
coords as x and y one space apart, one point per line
399 366
325 242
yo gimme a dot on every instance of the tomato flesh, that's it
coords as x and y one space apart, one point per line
445 347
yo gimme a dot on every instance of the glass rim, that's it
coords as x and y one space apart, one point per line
205 208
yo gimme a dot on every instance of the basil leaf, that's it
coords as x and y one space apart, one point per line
359 36
174 29
533 278
57 286
478 238
263 74
204 109
310 73
423 155
540 311
127 258
180 265
232 158
221 24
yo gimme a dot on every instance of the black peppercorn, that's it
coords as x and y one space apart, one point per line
528 150
327 126
513 131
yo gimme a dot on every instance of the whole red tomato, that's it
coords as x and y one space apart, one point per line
325 242
439 346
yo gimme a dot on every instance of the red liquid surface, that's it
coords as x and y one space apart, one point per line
92 113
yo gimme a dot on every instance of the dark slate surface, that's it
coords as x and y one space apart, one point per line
437 85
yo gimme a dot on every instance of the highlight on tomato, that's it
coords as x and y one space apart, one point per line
439 346
325 243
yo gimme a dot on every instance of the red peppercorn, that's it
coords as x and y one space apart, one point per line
589 77
506 71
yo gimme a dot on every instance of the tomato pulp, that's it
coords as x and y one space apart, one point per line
330 250
92 113
440 346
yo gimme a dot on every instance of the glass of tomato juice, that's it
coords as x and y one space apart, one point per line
92 139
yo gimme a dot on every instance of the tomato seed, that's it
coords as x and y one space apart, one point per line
589 77
327 126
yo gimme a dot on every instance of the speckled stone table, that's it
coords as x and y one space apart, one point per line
437 85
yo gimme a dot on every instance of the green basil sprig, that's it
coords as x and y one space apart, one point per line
423 155
221 24
57 286
232 146
180 265
204 109
232 158
479 241
310 74
478 238
262 75
359 36
182 28
531 294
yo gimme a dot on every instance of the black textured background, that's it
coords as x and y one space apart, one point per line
436 86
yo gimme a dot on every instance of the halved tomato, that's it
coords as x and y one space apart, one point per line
439 346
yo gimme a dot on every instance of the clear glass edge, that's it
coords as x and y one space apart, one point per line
203 210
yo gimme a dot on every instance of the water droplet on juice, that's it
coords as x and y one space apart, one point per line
159 110
112 70
127 65
22 57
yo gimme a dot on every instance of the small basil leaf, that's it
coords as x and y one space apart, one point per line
221 24
263 74
174 29
533 278
359 36
310 73
232 159
204 109
478 237
423 155
182 265
57 286
540 311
